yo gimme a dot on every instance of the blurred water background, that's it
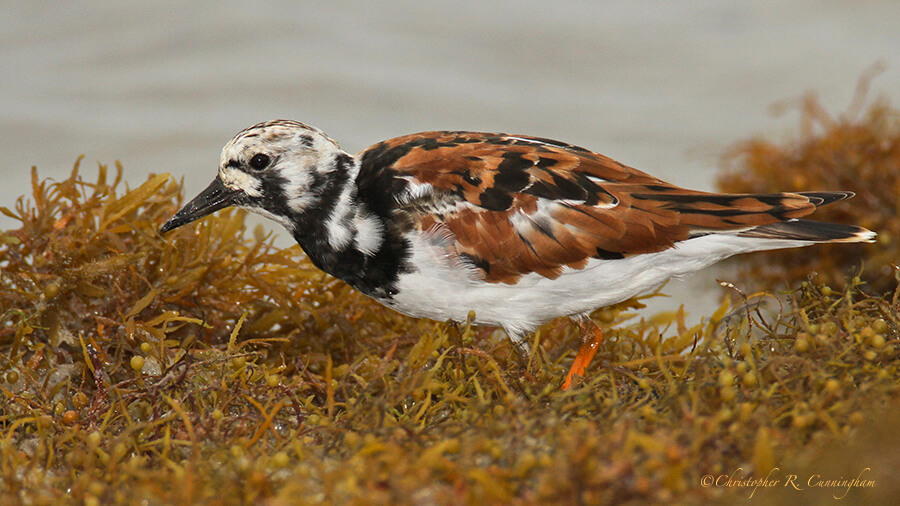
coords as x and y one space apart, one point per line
664 86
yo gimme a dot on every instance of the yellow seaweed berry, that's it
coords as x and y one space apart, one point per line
12 377
79 400
137 362
94 438
832 385
749 379
726 378
96 488
70 417
351 439
801 421
867 332
801 344
51 290
280 459
880 326
727 393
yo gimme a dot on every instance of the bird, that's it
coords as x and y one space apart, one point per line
519 229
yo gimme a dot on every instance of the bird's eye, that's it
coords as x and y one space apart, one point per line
259 161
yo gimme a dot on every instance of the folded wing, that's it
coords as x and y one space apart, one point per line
515 204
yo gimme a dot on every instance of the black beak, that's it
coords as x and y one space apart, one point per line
216 196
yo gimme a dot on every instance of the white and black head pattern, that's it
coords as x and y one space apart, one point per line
282 169
297 176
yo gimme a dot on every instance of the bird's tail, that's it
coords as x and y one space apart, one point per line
770 216
811 231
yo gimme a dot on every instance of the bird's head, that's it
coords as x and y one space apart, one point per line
273 168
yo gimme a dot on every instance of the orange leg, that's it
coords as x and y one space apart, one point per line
591 336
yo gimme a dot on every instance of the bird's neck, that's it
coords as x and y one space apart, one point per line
349 233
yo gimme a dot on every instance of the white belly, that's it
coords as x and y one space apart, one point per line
442 289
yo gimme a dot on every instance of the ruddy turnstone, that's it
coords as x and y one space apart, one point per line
519 229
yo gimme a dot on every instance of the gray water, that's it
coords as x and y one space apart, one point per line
663 86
